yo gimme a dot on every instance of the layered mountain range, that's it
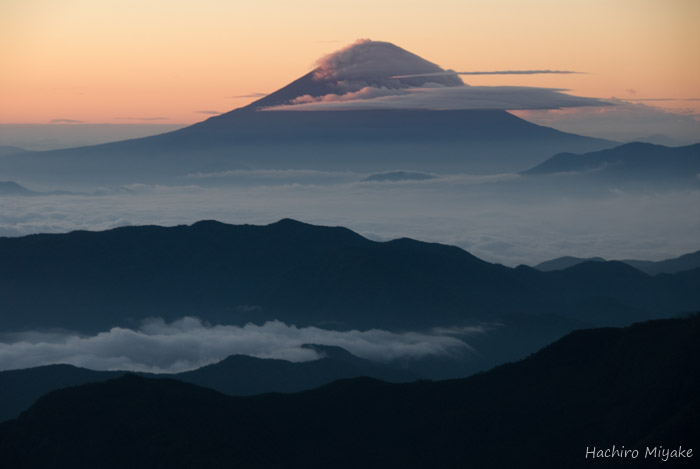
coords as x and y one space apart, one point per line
305 275
297 275
668 266
237 375
633 388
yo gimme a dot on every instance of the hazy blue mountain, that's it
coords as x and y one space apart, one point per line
561 263
239 375
398 176
668 266
363 141
630 165
656 139
12 188
638 387
304 275
10 150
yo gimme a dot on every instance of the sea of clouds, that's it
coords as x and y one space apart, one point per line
472 212
189 343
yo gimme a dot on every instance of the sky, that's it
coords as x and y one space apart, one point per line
179 62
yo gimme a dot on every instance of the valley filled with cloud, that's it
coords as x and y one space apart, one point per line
489 216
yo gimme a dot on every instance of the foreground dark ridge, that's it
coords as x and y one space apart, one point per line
638 387
236 375
305 275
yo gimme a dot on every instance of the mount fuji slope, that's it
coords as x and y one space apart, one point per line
471 140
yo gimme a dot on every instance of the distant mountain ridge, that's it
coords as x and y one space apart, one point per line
305 275
398 176
236 375
634 161
636 387
365 141
12 188
564 262
668 266
10 150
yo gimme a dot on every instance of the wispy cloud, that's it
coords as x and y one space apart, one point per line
141 118
213 113
482 214
444 98
189 343
66 121
251 95
379 75
662 99
494 72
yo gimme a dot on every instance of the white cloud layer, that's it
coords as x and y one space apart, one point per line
188 343
374 63
379 75
442 98
489 222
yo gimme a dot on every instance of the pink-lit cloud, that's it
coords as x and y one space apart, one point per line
379 75
443 98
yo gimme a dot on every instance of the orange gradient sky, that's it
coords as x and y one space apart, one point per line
125 61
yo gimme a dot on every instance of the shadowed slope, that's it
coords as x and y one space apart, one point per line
237 375
304 275
631 163
635 387
682 263
472 141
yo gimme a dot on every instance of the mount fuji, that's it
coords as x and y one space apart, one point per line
369 107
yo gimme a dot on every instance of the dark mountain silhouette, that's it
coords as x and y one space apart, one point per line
304 275
20 388
669 266
238 375
243 375
635 387
630 165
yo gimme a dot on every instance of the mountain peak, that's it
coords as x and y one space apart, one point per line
358 70
380 63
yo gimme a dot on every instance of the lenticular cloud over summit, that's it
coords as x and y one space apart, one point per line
380 75
369 62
